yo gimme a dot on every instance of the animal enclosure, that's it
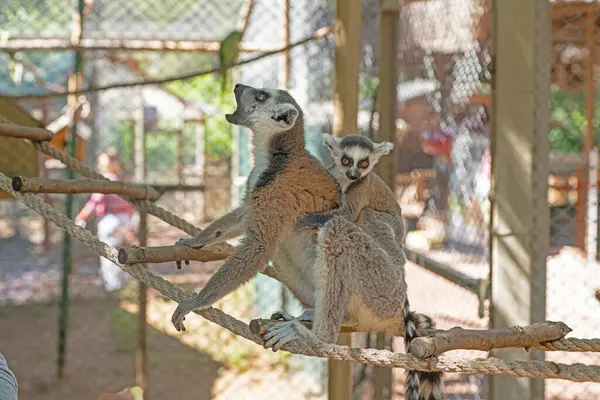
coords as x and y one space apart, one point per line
150 86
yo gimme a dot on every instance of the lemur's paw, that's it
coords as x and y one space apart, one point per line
196 243
282 315
277 336
185 307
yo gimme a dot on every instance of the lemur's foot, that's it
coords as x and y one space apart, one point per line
279 335
306 316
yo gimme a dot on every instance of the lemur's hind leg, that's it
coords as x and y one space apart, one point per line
352 274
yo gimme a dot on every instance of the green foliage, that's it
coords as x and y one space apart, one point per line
206 89
568 111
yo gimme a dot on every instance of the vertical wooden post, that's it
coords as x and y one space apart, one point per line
284 83
520 226
200 157
141 354
285 78
347 28
74 83
590 150
388 81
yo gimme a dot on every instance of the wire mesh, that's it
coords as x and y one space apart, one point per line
572 267
443 165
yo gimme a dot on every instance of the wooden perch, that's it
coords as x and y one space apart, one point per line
433 342
143 255
259 326
24 132
485 340
71 186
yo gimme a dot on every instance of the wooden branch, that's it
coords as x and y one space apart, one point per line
71 186
246 12
145 255
24 132
64 44
259 326
485 340
178 253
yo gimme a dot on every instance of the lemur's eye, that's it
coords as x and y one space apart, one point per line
345 161
364 164
261 96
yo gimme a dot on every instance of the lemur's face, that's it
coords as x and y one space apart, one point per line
265 111
355 155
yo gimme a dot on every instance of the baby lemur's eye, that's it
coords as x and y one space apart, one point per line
364 164
345 161
261 96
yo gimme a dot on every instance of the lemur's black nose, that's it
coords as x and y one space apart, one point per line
351 175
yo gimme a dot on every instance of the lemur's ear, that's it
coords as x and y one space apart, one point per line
285 115
383 148
332 143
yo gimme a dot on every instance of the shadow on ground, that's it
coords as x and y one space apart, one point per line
100 354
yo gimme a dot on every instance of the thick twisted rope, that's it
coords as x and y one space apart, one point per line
491 366
142 205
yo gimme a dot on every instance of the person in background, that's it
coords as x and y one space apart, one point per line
8 382
117 219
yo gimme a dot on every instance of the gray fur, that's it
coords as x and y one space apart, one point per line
286 183
358 273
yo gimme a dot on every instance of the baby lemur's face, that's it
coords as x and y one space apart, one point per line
355 155
265 111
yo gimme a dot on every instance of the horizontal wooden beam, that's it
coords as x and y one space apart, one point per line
25 132
64 44
72 186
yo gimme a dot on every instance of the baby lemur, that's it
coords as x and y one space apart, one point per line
354 157
363 191
286 184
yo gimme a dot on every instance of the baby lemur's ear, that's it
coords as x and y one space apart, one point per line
332 143
383 148
285 115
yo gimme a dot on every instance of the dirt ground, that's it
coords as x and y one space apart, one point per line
207 361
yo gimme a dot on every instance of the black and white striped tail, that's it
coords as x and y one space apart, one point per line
420 385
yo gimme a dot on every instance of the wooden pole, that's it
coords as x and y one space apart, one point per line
24 132
160 254
200 159
387 101
74 83
285 59
121 44
520 222
72 186
347 32
590 150
141 353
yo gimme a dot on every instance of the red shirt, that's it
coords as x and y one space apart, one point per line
109 203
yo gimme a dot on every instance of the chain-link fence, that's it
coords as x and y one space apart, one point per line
573 272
